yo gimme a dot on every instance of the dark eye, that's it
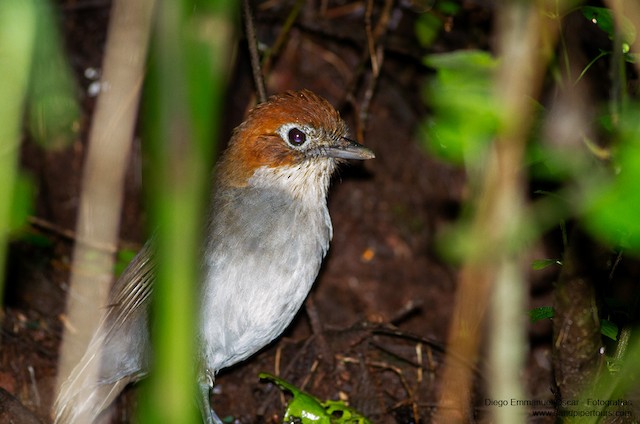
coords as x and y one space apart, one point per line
296 137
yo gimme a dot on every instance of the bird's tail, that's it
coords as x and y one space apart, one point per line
83 396
119 352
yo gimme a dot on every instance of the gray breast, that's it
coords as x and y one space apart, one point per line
263 255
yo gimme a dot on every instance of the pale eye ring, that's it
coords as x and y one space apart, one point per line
296 137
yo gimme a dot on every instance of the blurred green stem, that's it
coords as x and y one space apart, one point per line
17 34
190 61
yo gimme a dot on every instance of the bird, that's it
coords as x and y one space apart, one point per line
267 232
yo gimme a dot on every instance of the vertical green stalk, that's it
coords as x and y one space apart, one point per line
190 57
17 33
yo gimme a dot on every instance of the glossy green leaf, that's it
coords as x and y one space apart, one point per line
604 19
308 409
600 16
609 329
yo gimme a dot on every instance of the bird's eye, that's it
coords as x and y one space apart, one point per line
296 137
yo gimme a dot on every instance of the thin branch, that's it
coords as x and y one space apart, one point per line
252 41
374 54
65 233
282 36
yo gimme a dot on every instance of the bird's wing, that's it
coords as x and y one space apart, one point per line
132 291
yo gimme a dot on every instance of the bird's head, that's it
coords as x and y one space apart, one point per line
294 139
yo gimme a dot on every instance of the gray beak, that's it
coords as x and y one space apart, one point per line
345 148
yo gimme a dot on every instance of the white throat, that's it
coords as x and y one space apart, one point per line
307 182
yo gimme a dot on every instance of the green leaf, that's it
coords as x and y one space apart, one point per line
543 312
539 264
604 19
612 202
429 24
428 27
461 95
341 413
600 16
307 409
609 329
448 7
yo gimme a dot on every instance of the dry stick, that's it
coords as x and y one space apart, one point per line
276 370
56 230
318 329
375 55
385 366
282 36
371 43
252 41
525 36
101 199
375 58
410 307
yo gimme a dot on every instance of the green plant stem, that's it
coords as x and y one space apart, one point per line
17 35
623 343
190 61
586 68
